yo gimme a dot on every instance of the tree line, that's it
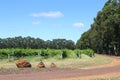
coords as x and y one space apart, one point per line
104 34
36 43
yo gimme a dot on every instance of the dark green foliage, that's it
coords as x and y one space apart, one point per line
104 34
36 43
88 52
64 54
79 54
43 53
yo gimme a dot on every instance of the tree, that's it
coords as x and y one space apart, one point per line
36 43
103 36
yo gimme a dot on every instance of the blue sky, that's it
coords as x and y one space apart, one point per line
47 19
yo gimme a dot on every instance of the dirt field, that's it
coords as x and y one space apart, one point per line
103 71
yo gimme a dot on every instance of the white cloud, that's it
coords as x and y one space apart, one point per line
78 24
50 14
35 22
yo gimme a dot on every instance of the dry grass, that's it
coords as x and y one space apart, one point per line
85 61
111 78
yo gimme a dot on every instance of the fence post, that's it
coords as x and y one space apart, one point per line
8 57
39 55
61 55
79 54
13 55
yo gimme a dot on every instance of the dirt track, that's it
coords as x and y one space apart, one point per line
67 74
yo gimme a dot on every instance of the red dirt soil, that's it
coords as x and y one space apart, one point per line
107 70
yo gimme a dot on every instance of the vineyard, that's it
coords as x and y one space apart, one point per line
44 53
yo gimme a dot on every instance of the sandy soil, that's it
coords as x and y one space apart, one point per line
103 71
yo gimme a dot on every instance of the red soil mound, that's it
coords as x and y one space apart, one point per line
41 65
22 63
53 65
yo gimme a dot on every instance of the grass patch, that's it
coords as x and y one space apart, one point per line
112 78
85 61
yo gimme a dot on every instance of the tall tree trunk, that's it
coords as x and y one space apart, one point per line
115 50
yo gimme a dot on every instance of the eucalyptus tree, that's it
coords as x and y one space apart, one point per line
104 34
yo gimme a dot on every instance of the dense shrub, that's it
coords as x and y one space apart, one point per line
45 53
88 52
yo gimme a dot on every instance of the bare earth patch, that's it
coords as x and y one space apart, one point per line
88 73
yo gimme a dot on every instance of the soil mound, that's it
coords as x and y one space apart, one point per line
22 63
53 65
41 65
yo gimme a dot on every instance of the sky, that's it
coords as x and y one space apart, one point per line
47 19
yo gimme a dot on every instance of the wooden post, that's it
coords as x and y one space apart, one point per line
79 55
62 55
13 55
39 55
8 57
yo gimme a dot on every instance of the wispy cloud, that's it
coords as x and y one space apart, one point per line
78 24
51 14
36 22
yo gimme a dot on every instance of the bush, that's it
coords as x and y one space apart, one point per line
45 53
88 52
64 54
